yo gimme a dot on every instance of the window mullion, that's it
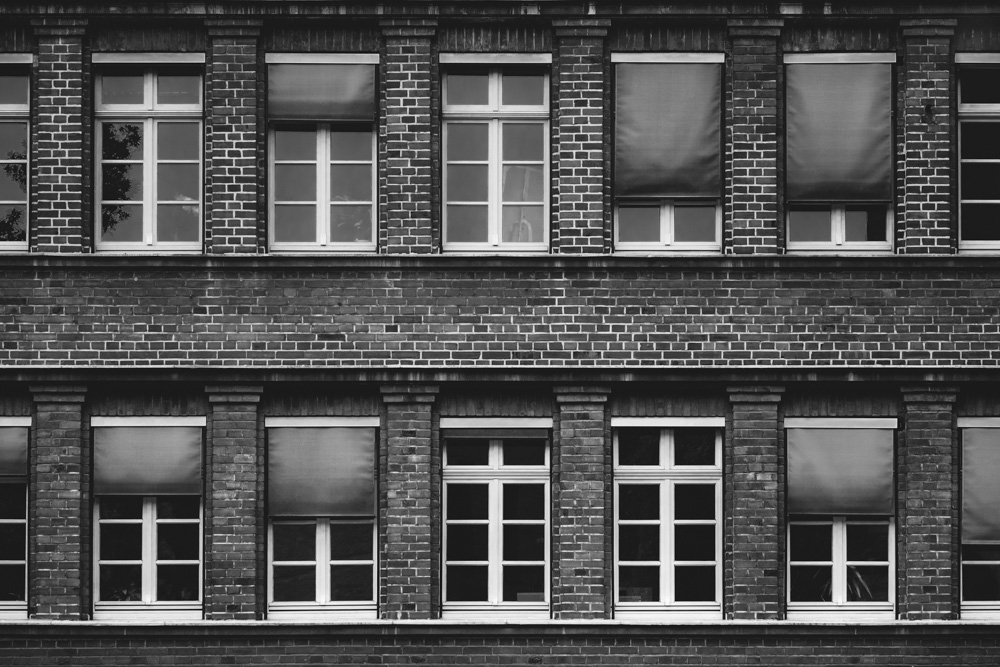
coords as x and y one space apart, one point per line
323 184
149 193
322 534
494 206
667 223
495 541
839 593
667 569
148 549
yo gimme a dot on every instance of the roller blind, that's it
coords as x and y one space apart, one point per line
321 92
667 129
321 471
840 471
981 485
13 451
839 131
147 460
497 433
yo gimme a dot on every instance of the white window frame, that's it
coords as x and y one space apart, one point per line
667 476
17 610
150 115
495 476
495 115
18 113
971 113
976 609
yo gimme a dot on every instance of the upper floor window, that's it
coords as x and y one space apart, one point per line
840 526
979 150
838 127
321 147
321 509
13 516
980 518
149 151
667 164
496 152
14 141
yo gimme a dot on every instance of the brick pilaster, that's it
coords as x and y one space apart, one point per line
752 192
231 125
578 164
58 502
58 151
930 226
927 535
581 548
409 565
233 505
753 506
405 191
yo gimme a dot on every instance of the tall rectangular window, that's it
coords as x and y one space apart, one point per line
838 138
979 150
149 137
668 516
148 516
321 508
496 152
15 113
321 129
13 516
980 517
496 517
667 157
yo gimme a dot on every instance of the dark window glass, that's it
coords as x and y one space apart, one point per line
178 541
178 507
523 501
979 85
694 501
12 583
294 583
639 446
811 583
694 446
468 501
350 541
694 542
121 541
524 452
638 543
638 584
523 583
638 501
12 501
468 542
121 583
12 542
867 541
350 582
867 583
523 542
811 542
177 583
864 223
980 582
294 541
467 583
694 583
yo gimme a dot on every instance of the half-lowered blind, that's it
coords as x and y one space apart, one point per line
320 92
13 451
980 486
839 131
667 129
840 471
321 471
147 460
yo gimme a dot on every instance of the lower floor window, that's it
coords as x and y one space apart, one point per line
13 543
980 572
674 224
843 226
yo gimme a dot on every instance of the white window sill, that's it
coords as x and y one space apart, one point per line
523 613
321 613
667 614
142 613
841 613
17 611
359 249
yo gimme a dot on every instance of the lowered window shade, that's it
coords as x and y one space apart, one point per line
147 460
320 472
497 433
840 471
320 92
13 451
667 129
839 130
980 489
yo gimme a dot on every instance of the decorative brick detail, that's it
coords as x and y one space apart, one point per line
234 507
927 536
232 162
405 192
58 499
578 165
581 548
753 506
58 156
752 192
930 226
409 565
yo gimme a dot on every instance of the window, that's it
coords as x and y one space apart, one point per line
838 122
14 131
321 505
149 138
321 114
980 519
13 516
840 526
979 150
668 516
496 153
147 516
496 517
667 169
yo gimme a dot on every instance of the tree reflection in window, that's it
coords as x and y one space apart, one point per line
121 141
15 170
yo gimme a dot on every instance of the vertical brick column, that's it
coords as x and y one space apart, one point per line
57 153
579 116
58 523
409 566
232 161
930 226
581 547
405 169
233 504
753 506
927 536
752 153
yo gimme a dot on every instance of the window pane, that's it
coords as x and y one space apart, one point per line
979 85
694 224
518 452
12 501
980 582
865 223
12 543
350 182
13 141
981 552
980 222
468 182
523 583
121 583
12 580
980 140
294 583
811 583
466 583
468 142
122 182
294 182
178 89
523 501
121 141
13 219
811 543
468 501
295 144
294 224
467 224
694 446
177 541
810 224
694 584
350 582
636 543
522 224
178 507
14 89
121 507
694 501
468 542
351 541
867 542
467 452
639 446
638 224
638 501
350 146
178 141
294 541
694 542
522 184
638 584
523 90
466 89
523 542
980 180
867 583
121 223
177 223
178 182
523 142
121 541
350 224
122 89
177 582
